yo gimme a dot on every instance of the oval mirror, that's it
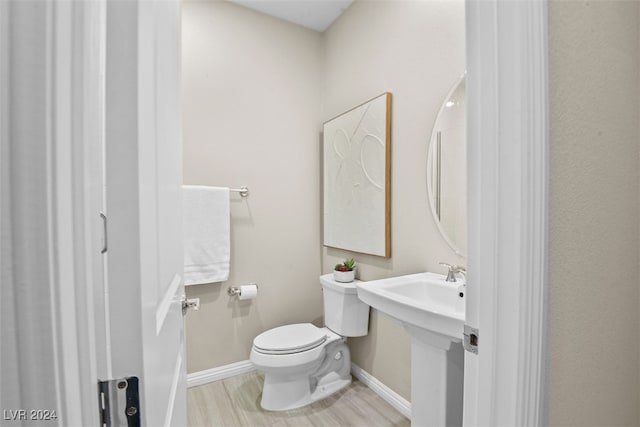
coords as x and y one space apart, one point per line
447 170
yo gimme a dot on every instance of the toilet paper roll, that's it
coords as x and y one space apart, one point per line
248 292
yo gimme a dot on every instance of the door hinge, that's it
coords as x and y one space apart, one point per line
119 402
471 339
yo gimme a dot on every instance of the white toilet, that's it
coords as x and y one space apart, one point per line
303 363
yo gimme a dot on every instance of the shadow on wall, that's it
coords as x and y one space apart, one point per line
369 260
211 292
242 215
366 346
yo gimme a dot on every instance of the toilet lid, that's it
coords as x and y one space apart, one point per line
289 339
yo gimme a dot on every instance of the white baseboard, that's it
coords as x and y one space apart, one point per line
243 367
394 399
220 373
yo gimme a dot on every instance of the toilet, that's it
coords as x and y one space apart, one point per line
303 363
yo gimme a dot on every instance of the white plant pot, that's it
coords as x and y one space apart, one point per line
344 276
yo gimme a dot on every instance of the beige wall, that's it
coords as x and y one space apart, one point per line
594 323
250 91
415 50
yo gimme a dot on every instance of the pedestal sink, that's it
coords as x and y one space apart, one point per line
433 312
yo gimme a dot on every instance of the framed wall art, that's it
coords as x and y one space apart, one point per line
357 178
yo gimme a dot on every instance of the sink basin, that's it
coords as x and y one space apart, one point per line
424 300
432 310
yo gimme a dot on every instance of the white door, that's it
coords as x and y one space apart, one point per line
144 206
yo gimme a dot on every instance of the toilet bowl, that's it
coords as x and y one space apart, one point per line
303 363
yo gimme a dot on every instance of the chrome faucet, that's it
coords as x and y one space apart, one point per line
453 270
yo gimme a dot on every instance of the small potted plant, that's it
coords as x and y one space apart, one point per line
345 272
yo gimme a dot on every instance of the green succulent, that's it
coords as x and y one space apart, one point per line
347 265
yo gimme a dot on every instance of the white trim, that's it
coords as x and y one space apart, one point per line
167 299
401 404
534 273
508 138
65 229
177 373
58 363
195 379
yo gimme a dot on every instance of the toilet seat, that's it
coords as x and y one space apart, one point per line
289 339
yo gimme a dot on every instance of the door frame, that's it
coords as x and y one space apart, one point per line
508 214
52 109
507 170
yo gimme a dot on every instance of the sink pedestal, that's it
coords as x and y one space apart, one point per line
437 379
432 310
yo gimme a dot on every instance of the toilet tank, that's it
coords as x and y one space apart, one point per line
344 313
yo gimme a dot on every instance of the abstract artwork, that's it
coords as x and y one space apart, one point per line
357 178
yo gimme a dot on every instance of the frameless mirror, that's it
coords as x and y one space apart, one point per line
447 170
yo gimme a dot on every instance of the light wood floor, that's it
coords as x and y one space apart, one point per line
235 402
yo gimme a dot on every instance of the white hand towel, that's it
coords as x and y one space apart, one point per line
206 234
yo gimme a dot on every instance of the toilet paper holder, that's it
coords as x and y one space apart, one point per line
235 291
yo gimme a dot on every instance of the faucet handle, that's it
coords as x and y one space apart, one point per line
453 270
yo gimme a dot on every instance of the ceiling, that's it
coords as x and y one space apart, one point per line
317 15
